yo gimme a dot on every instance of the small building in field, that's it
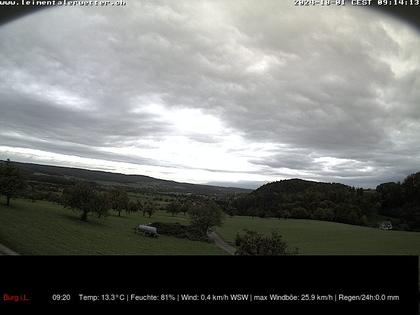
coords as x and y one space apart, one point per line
385 225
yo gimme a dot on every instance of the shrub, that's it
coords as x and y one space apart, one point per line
257 244
180 231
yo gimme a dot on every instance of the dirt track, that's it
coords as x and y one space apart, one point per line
221 243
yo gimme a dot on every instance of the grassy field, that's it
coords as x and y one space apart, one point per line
44 228
323 238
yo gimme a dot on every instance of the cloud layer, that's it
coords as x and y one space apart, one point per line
235 92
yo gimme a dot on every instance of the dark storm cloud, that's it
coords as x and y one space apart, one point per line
37 118
325 94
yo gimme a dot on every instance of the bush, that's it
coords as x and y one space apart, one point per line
180 231
256 244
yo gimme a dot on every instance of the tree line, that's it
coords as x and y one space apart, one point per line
86 198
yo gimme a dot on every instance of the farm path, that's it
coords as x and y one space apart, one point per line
221 243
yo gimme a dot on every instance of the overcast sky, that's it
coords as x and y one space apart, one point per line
236 93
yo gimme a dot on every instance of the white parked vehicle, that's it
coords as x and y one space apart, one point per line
146 230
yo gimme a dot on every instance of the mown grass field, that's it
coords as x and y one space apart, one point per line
44 228
327 238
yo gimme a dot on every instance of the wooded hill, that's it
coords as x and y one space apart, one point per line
301 199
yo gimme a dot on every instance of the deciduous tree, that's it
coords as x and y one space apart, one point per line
119 200
204 215
11 181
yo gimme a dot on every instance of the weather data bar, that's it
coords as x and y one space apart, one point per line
238 298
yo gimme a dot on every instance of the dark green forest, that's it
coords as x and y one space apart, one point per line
301 199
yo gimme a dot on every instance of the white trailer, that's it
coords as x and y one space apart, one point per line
146 230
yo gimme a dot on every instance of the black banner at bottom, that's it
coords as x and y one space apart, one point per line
381 284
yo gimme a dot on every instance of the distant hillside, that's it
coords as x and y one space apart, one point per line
301 199
67 175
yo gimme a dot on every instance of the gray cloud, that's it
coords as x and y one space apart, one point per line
326 94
